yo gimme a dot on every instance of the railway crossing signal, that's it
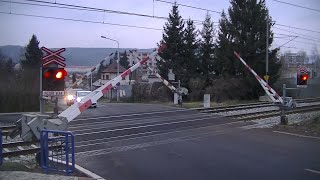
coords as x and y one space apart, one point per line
302 80
53 72
302 76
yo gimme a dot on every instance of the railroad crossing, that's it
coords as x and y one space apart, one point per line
109 136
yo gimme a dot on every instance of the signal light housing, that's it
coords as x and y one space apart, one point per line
53 79
302 79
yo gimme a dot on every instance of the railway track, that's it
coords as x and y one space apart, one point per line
250 105
21 148
273 113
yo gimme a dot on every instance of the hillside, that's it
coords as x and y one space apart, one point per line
74 56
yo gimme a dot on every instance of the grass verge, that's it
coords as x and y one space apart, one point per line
199 104
195 104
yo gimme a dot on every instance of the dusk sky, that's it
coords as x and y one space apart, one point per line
53 33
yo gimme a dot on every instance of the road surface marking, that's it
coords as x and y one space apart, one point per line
314 171
298 135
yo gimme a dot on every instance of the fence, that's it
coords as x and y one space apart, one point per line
57 151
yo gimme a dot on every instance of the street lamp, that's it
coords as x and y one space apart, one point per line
91 89
117 62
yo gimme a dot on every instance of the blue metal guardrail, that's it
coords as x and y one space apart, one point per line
57 151
1 147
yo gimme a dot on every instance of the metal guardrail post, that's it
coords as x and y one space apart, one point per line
67 153
72 158
41 149
1 147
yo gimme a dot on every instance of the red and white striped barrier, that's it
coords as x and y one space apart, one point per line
77 108
270 92
164 81
302 70
79 81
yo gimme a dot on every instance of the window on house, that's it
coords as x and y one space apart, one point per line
107 77
102 76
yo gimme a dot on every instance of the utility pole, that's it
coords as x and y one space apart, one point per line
40 97
118 61
267 47
91 82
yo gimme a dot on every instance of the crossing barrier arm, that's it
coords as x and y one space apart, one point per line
79 81
31 124
270 92
77 108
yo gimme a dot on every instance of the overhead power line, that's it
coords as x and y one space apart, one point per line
304 36
115 24
293 47
106 23
304 42
296 5
193 7
293 27
286 35
288 42
80 20
203 9
86 8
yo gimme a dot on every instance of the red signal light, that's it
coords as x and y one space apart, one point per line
47 74
305 77
60 73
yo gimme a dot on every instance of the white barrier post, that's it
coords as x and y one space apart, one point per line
206 100
175 98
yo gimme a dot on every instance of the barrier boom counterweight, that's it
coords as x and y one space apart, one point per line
30 125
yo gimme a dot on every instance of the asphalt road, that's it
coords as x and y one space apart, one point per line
138 141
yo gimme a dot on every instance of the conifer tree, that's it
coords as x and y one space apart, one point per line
173 38
244 31
207 50
191 65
